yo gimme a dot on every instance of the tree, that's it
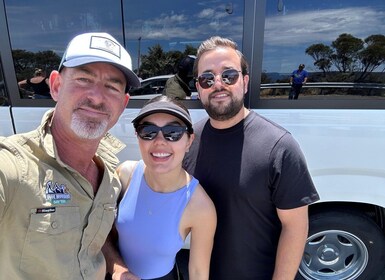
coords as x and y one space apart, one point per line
373 55
321 55
47 60
153 63
190 50
26 62
157 62
346 48
353 57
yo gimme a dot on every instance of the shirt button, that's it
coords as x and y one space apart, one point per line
85 271
54 225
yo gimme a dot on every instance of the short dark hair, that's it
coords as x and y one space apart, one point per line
218 42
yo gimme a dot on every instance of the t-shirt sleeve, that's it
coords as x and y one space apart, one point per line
292 185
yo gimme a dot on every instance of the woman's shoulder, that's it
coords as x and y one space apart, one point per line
125 171
200 202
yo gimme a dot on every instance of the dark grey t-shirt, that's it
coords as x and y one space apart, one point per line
248 170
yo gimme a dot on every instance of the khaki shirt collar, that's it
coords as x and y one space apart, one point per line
109 146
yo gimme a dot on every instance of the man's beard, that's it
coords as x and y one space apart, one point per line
88 128
223 113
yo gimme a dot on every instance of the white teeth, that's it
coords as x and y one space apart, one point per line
161 155
220 95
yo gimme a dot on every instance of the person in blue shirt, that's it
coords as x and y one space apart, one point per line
297 79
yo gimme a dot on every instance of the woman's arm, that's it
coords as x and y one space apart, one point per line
204 222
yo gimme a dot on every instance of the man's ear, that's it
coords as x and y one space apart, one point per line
197 86
246 83
54 84
126 99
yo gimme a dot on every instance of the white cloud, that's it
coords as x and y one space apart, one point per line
325 26
206 13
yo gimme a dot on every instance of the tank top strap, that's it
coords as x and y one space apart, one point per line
190 188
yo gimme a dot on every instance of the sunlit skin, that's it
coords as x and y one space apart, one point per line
164 174
218 99
222 98
90 99
94 93
163 158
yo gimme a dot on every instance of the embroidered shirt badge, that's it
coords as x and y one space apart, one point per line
57 193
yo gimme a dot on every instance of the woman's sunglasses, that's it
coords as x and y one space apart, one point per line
171 133
229 77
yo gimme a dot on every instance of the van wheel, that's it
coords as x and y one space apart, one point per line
344 246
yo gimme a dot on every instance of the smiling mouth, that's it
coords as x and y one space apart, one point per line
92 111
161 155
220 95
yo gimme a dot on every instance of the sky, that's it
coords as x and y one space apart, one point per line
289 33
173 24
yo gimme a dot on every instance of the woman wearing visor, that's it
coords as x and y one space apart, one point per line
161 203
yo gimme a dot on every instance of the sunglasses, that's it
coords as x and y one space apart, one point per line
171 133
229 77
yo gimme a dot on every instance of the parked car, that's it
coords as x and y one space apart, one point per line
153 85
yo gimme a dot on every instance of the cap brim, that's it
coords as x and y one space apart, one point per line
167 108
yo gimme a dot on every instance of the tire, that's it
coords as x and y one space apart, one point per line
343 246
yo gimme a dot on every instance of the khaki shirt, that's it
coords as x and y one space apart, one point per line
175 87
52 226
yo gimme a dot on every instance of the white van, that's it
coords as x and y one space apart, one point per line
339 118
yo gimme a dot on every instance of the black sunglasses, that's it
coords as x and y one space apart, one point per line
171 133
229 77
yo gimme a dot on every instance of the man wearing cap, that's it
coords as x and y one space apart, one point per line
58 188
297 79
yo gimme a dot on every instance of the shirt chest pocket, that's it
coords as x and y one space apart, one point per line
52 242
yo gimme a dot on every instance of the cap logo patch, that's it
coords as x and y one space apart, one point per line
105 44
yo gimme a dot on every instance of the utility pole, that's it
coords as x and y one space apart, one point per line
139 39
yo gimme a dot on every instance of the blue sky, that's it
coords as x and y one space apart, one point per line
50 24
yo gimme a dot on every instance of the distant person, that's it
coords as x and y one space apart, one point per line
252 169
297 79
58 185
160 202
39 84
178 85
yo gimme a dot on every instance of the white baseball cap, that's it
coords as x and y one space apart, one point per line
99 47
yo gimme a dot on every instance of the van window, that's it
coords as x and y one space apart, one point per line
159 38
156 38
341 44
3 95
40 31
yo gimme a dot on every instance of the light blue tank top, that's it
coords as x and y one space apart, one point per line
148 226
